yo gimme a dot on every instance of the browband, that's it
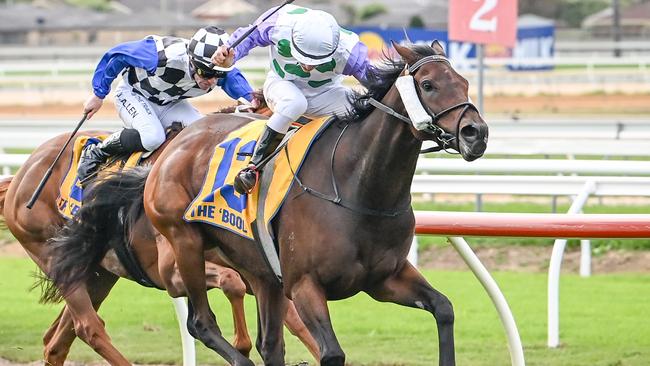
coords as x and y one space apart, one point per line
425 60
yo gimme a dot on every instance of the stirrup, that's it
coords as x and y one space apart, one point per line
89 164
246 180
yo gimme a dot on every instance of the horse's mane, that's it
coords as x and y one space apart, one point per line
379 80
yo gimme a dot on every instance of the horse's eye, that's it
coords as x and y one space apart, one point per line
427 85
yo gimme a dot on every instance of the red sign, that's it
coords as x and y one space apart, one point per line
483 21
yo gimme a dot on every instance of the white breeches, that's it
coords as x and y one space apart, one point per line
151 119
288 102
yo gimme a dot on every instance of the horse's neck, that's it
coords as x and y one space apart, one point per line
388 154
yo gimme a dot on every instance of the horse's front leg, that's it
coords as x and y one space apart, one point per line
188 248
407 287
311 303
271 310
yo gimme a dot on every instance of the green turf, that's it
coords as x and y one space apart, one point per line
603 322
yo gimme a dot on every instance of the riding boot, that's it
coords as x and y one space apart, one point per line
95 155
246 179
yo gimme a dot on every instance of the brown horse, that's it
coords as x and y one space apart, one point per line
153 263
345 227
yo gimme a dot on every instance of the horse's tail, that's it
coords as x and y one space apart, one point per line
4 186
110 207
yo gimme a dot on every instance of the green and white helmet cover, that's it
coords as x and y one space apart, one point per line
314 38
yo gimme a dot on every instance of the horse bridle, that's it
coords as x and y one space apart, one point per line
442 138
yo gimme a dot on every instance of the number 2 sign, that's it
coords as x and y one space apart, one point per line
483 21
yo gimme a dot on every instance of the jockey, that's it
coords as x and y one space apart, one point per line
158 73
310 54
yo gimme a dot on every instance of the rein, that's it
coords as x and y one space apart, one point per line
336 199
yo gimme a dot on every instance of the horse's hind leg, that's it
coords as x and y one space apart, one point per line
89 327
311 303
407 287
58 339
297 328
229 281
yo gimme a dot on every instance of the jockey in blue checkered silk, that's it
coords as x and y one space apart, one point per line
310 54
158 74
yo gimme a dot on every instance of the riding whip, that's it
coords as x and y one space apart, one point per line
248 32
46 177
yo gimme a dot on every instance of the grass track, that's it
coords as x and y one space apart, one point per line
603 322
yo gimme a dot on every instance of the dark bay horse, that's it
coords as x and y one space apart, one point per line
346 225
34 228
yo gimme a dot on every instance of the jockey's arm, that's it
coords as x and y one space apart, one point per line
141 54
260 37
236 85
358 64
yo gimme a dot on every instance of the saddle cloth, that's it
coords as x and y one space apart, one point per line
218 204
71 192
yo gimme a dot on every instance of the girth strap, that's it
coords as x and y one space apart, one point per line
336 199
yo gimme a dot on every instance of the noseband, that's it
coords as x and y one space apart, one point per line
440 137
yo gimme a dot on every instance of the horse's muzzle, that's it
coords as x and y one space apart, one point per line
473 140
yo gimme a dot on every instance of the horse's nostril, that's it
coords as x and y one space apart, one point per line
469 133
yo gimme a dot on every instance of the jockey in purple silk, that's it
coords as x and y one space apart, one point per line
310 55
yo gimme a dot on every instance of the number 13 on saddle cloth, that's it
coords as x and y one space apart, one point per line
218 204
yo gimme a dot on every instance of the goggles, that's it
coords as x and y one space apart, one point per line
205 73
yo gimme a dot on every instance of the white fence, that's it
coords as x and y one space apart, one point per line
580 187
583 74
517 137
568 138
535 225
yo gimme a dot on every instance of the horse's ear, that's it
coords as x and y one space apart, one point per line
406 53
437 48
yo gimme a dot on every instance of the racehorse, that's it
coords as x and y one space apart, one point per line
34 228
345 227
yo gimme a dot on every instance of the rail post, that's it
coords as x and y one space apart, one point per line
554 270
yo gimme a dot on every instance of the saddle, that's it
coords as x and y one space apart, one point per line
249 215
140 157
71 190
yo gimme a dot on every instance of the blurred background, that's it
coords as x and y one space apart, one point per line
48 49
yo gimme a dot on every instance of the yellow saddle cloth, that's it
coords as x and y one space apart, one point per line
71 192
218 204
